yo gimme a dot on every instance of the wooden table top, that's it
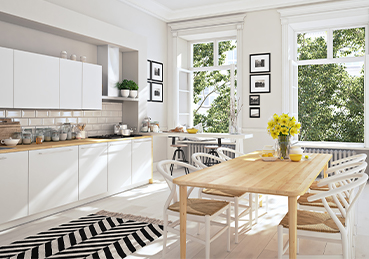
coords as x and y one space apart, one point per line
250 173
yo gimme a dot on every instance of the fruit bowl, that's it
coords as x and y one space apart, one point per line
295 157
268 158
192 131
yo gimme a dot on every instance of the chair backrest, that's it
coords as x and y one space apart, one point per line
349 159
222 150
198 158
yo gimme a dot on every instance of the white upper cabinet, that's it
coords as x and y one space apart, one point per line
92 86
36 81
6 78
70 84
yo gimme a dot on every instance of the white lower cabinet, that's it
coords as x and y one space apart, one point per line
141 160
53 178
13 186
119 165
93 173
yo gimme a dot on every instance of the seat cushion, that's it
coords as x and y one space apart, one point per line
318 203
314 186
226 193
314 221
200 207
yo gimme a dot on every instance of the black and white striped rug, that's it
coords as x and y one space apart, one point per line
99 235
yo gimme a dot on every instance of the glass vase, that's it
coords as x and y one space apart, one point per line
283 146
233 128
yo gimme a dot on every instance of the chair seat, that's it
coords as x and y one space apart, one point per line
314 221
200 207
226 193
318 203
179 145
211 147
314 186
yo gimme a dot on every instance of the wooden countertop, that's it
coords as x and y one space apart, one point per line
56 144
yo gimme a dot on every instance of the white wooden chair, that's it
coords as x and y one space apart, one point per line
328 227
226 195
198 210
222 153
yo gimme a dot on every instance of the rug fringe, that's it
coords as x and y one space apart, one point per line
130 217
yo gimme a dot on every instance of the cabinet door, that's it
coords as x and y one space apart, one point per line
70 84
92 86
119 165
36 80
93 173
6 78
141 160
13 186
53 178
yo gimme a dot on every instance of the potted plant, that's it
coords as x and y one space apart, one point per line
123 87
133 87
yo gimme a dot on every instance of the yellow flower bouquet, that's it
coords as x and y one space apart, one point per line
281 128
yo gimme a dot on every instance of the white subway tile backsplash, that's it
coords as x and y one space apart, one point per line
113 120
92 120
72 120
54 113
28 113
2 113
88 127
66 113
97 113
88 113
96 126
49 121
106 113
101 120
82 120
12 113
23 122
107 127
42 113
77 113
59 121
35 122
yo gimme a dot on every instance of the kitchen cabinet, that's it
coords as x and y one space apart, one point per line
36 81
70 84
119 165
13 186
6 78
141 160
93 173
92 86
53 178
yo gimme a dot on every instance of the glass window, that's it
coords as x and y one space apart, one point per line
349 42
227 52
203 54
312 45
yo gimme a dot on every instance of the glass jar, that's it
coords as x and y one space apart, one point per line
40 134
47 135
18 135
55 135
27 138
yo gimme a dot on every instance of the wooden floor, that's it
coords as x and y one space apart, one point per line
259 242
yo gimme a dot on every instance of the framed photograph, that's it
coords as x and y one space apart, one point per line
254 100
254 112
156 93
149 69
148 91
156 71
259 63
260 83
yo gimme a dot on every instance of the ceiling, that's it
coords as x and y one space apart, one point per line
176 10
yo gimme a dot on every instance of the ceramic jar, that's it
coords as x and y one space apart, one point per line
296 150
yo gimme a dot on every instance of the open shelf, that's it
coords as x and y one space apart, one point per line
119 99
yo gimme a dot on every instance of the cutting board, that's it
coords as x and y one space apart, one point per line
8 127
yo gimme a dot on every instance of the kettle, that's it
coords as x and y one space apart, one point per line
119 127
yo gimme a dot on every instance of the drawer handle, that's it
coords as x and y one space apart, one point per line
121 144
3 158
55 152
89 147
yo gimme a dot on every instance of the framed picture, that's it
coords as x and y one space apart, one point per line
156 71
156 93
259 63
149 69
149 91
254 112
254 100
260 83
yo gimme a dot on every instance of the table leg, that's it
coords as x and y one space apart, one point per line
325 170
292 217
219 142
183 218
173 140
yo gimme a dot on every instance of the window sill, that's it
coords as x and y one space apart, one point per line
332 145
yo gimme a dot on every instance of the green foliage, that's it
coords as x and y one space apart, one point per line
331 101
126 85
217 117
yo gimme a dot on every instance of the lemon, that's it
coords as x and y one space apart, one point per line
270 155
264 155
306 157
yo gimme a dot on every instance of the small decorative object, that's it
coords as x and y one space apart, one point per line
268 150
156 71
156 92
27 138
38 140
282 128
149 69
234 111
73 57
254 100
260 83
260 63
296 150
83 58
123 87
254 112
63 54
295 157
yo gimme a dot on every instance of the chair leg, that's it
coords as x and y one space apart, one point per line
256 207
298 246
165 234
266 203
207 237
229 228
236 220
250 213
172 165
280 241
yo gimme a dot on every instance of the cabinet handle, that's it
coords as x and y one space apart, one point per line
141 141
55 152
90 147
3 158
120 144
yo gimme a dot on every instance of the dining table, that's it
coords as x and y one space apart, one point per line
249 173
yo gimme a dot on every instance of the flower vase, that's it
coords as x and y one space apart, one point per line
233 128
283 146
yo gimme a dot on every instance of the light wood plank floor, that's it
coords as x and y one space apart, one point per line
259 242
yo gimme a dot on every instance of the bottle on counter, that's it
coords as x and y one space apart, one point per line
47 135
27 138
55 135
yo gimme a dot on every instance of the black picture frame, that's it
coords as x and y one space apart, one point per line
254 112
260 83
156 92
149 91
260 63
148 69
254 99
157 71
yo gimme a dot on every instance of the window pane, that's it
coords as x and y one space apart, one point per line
227 52
349 42
203 54
312 45
331 102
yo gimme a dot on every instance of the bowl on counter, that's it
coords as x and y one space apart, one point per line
192 131
9 142
295 157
